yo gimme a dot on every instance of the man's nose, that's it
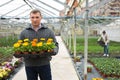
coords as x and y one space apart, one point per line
34 19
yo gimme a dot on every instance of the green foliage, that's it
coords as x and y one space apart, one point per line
7 41
112 79
5 53
108 66
93 47
6 50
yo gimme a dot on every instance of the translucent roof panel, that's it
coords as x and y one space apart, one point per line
21 8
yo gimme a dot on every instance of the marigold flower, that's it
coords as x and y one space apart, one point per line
49 40
34 44
20 41
35 40
16 45
42 39
25 44
39 44
48 43
26 40
97 79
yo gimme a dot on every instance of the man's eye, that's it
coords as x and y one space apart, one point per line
37 17
32 17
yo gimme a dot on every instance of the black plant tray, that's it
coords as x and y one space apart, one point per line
33 55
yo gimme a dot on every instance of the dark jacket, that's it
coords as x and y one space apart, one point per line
43 32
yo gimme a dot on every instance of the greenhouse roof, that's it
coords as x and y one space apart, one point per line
21 8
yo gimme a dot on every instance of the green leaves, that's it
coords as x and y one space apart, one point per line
108 66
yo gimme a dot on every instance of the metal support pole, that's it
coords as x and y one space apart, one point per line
86 42
75 33
70 32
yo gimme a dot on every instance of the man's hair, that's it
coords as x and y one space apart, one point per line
34 11
104 32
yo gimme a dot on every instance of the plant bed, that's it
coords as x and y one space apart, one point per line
107 67
7 69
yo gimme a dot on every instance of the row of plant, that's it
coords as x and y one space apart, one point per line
35 46
107 67
5 53
112 78
6 44
8 64
94 48
8 41
105 79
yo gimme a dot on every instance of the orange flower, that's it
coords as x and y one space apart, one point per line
34 44
35 40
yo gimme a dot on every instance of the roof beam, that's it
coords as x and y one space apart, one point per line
13 10
28 4
6 3
42 8
22 12
48 5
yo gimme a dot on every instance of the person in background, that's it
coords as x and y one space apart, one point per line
38 66
104 38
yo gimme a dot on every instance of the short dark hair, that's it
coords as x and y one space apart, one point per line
35 11
104 32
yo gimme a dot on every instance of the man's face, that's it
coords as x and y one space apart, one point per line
35 19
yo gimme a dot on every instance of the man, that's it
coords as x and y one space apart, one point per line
104 38
38 66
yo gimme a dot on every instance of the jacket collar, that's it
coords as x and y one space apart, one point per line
30 26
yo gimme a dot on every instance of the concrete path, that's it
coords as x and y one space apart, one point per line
61 65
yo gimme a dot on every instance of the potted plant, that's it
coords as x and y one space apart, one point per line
77 59
89 68
34 47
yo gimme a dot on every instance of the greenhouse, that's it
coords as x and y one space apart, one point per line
77 39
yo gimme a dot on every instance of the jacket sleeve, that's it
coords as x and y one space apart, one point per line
55 50
21 37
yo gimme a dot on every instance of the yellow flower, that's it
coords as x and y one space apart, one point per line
16 45
40 44
50 40
93 78
20 41
97 79
42 39
25 44
26 40
48 43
